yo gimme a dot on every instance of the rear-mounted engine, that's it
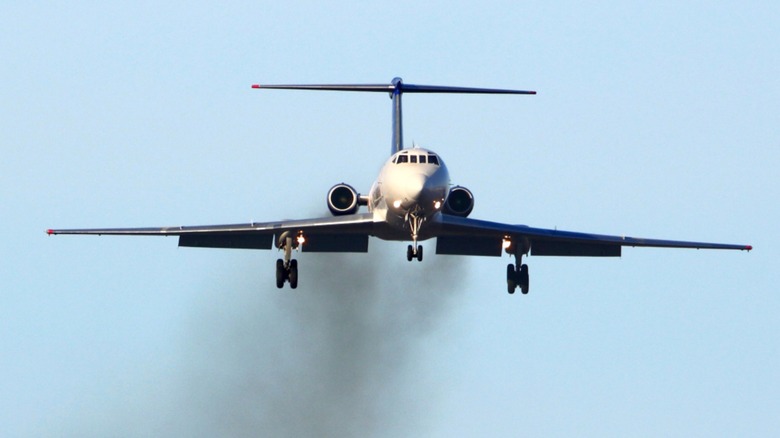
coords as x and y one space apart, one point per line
460 202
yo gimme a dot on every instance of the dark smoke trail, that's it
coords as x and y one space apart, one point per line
332 358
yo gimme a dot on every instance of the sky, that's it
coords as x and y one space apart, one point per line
657 120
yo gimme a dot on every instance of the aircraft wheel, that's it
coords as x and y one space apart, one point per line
293 274
511 282
419 253
409 253
279 273
524 279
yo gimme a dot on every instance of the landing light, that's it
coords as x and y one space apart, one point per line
301 240
506 243
437 205
397 203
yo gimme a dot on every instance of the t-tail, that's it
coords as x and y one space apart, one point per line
395 89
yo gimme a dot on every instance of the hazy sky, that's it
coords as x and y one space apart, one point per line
656 120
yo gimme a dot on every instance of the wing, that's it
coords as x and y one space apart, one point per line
465 236
328 234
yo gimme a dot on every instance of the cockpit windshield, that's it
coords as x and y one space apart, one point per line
405 157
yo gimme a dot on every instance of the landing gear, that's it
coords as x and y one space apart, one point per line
414 251
517 277
412 254
281 273
286 272
293 274
287 269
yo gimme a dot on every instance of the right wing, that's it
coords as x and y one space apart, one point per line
327 234
465 236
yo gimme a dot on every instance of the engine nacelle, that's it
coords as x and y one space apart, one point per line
460 202
343 199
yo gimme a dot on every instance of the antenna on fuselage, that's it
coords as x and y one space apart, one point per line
396 88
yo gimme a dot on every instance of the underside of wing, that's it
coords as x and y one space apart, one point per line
465 236
329 234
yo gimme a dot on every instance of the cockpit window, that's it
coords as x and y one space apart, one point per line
412 158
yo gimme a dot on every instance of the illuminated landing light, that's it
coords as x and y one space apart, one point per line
437 205
301 240
397 203
506 243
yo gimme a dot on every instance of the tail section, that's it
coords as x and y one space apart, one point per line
395 89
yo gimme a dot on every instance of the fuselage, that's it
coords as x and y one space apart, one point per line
413 183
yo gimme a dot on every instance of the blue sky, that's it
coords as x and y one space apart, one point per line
651 120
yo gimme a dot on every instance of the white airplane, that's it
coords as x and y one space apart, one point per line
411 200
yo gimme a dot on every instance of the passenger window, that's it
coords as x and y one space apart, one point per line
413 158
433 159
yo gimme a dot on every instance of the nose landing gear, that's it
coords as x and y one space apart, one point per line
414 251
411 253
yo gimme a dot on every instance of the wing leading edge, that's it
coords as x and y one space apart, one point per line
328 234
465 236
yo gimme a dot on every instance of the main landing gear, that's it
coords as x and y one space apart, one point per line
517 277
287 269
286 272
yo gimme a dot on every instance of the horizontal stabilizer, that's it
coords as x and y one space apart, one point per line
396 85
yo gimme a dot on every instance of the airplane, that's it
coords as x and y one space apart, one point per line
413 200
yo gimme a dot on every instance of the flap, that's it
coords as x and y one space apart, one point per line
469 245
579 249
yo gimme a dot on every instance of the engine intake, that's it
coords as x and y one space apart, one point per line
343 199
460 202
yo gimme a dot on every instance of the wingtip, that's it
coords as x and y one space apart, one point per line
49 231
749 248
255 85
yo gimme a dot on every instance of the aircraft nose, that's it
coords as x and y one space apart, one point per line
415 185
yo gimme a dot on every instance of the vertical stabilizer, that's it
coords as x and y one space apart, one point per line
397 142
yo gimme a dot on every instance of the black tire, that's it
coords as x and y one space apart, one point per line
511 282
419 253
279 273
409 253
524 279
293 274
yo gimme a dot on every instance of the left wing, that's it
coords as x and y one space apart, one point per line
463 236
328 234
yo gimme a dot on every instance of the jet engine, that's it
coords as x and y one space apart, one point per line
460 202
343 199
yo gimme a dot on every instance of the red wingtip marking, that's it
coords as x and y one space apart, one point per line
749 247
256 86
50 232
